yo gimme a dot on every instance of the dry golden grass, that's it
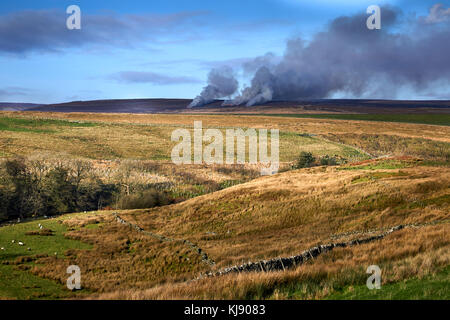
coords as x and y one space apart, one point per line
314 126
267 217
279 215
410 253
101 139
120 257
273 216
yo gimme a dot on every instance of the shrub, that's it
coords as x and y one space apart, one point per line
146 199
305 160
3 204
328 161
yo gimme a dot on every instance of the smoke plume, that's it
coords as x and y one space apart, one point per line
221 83
349 59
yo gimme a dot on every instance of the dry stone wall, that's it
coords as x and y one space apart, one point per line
162 238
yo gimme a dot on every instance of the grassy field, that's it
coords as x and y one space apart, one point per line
111 141
37 125
235 215
433 287
269 217
437 119
17 260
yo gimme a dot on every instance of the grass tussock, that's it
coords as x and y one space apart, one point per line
416 254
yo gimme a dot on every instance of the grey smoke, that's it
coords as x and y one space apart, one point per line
351 60
221 83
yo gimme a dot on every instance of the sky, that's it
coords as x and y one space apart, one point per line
157 49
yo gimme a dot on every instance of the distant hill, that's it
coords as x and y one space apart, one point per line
336 106
298 106
13 106
121 106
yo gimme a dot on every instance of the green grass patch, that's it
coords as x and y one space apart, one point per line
438 201
38 125
435 287
93 225
292 144
434 163
436 119
229 183
21 284
383 164
378 175
377 201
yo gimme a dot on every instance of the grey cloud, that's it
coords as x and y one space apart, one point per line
151 77
45 30
228 63
13 91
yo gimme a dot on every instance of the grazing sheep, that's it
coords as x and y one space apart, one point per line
29 249
12 241
21 243
41 227
2 248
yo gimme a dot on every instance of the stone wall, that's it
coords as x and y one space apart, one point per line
161 238
281 264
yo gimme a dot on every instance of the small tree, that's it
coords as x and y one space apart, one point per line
328 161
61 190
19 182
3 205
305 160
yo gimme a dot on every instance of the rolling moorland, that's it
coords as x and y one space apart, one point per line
367 173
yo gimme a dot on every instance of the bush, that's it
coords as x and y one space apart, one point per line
305 160
3 205
146 199
328 161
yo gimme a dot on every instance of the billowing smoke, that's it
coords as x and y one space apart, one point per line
261 90
350 60
221 83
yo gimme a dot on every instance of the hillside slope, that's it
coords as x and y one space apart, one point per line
278 215
269 217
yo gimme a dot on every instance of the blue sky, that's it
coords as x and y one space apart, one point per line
149 49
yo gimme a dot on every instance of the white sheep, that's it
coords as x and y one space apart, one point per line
12 241
41 227
21 243
2 248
